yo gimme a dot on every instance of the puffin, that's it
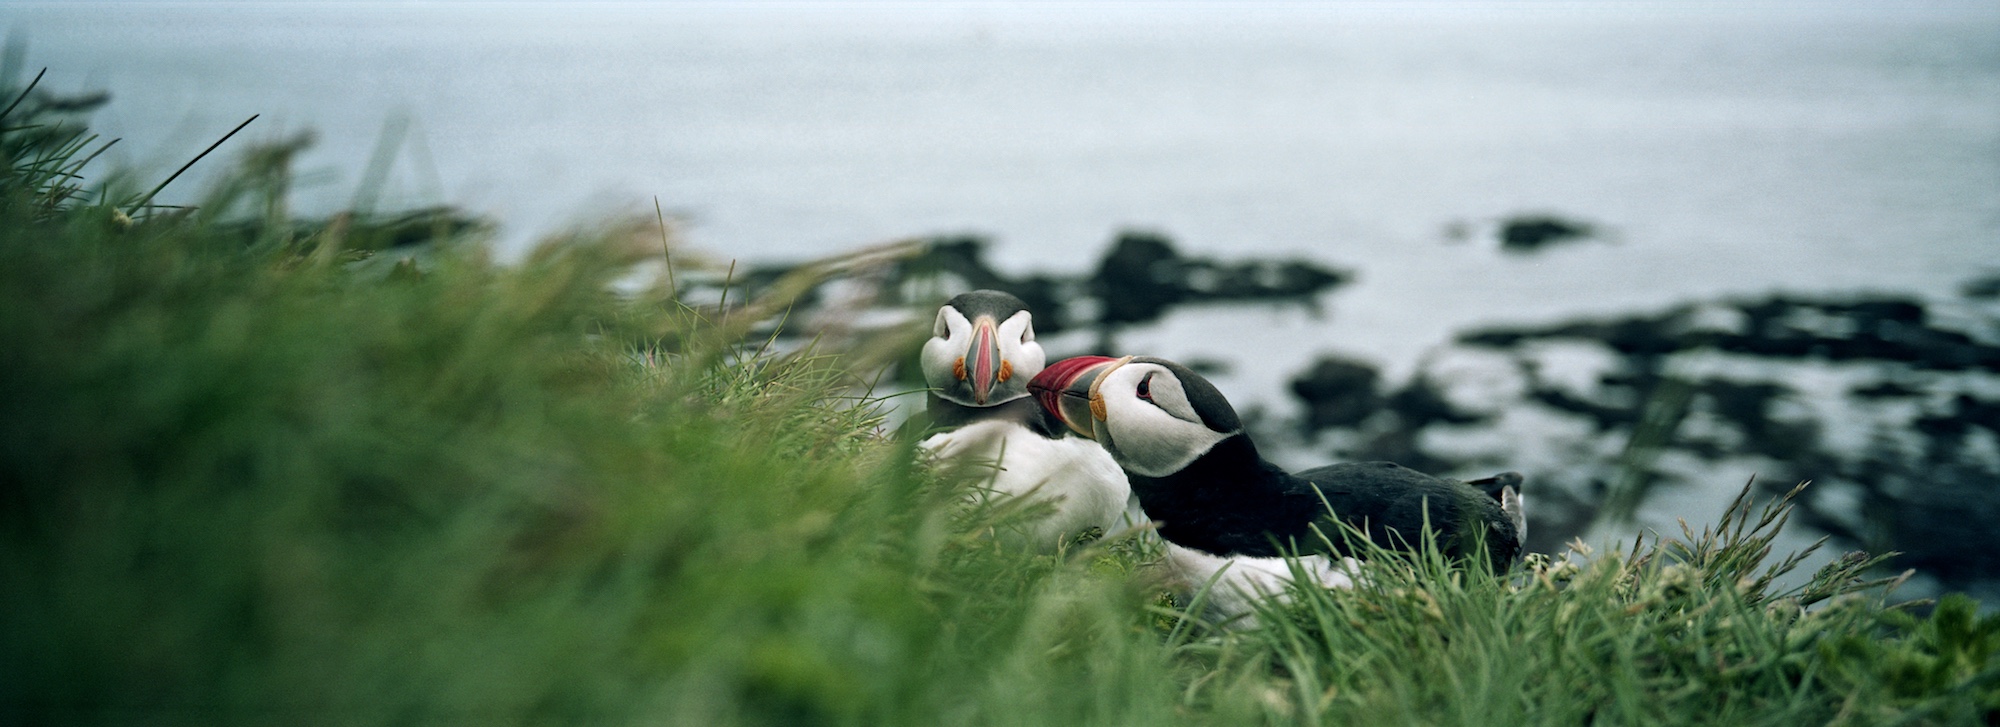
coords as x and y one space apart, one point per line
1195 471
979 359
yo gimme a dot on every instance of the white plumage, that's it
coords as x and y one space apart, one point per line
1086 488
1235 583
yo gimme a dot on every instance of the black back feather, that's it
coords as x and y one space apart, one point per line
1231 501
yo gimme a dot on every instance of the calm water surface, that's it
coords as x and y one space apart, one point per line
1727 148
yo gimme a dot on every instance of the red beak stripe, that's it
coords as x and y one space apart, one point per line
1049 385
984 366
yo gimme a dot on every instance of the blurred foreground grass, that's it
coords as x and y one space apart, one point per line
247 477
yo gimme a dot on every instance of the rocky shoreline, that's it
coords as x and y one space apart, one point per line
1890 408
1889 403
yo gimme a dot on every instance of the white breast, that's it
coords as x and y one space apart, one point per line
1085 485
1234 584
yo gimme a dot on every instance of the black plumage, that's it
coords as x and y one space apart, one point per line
1231 501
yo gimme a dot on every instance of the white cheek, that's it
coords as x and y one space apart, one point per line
1028 360
1151 442
1022 352
940 359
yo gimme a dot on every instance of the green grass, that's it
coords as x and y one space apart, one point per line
247 477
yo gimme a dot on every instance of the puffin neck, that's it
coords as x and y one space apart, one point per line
947 414
1230 470
1228 501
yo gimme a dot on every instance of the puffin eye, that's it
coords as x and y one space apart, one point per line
1145 390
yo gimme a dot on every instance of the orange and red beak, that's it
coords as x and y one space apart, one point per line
1068 389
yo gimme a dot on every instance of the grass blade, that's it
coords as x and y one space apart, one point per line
148 198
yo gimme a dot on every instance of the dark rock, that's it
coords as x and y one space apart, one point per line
1604 416
1419 404
1883 329
1531 233
1143 276
1748 406
1966 413
1978 412
960 255
1884 390
1139 279
1337 392
1986 288
1402 446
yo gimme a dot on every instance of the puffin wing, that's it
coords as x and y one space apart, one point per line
1393 504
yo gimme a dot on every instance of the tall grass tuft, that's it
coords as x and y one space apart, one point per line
251 480
1684 631
260 479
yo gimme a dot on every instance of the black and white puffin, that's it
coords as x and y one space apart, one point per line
977 363
1194 470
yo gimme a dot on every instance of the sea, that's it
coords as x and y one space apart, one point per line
1719 149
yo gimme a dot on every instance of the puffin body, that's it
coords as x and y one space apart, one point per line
980 357
1194 470
1086 487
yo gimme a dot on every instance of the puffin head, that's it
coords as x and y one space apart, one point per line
982 349
1153 415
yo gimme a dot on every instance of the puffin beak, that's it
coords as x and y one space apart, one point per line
1068 389
982 364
